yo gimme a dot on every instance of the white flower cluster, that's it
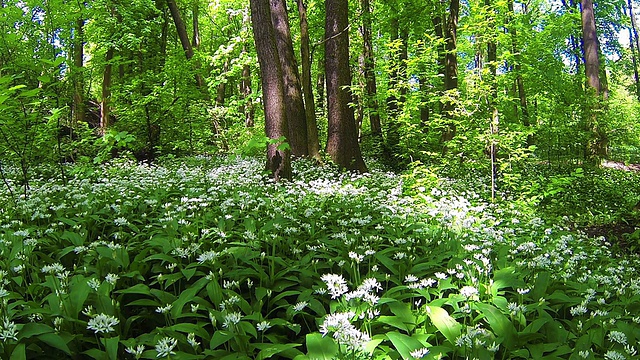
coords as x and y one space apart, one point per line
343 331
102 323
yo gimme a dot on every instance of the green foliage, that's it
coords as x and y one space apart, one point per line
205 258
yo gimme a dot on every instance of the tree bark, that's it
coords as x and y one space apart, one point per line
522 96
294 106
494 121
369 71
105 109
278 158
310 109
590 41
196 24
596 145
78 64
634 44
342 140
184 37
450 68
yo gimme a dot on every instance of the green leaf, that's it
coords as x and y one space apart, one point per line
404 344
321 348
19 352
268 350
187 296
447 325
111 345
500 324
220 337
141 289
54 340
33 329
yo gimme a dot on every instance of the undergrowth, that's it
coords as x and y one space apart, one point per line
207 258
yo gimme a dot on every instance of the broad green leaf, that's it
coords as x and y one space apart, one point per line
321 348
54 340
500 324
111 345
33 329
404 344
447 325
187 296
220 337
19 352
268 350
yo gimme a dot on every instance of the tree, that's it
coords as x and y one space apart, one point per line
369 73
450 68
278 157
597 143
294 106
307 91
184 37
342 137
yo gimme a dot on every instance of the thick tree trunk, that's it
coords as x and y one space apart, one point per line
369 71
78 73
596 146
342 140
278 159
105 109
294 106
590 42
310 111
450 67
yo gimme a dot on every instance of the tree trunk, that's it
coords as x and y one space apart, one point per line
522 96
184 37
278 158
634 44
310 109
320 86
105 109
494 121
596 146
369 71
450 68
342 141
222 87
296 116
590 41
78 64
196 24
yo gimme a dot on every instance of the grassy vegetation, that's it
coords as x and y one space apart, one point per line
206 258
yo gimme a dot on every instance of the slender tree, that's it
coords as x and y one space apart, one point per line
294 106
369 71
450 68
307 91
519 81
79 108
184 37
634 44
278 157
342 137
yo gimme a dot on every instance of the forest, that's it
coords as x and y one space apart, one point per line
337 179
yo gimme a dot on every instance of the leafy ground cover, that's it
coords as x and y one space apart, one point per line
207 258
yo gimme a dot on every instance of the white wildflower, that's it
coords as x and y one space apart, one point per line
165 346
102 323
336 284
